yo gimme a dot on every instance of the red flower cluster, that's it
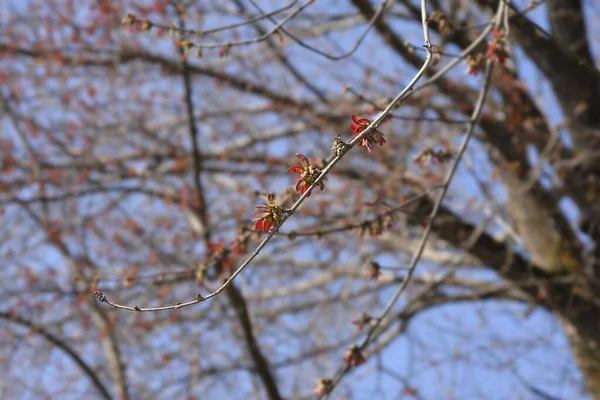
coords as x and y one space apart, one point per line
268 214
359 125
496 50
308 174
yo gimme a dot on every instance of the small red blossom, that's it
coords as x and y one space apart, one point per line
359 125
354 356
436 53
474 64
308 174
239 245
364 320
373 270
323 387
186 45
183 43
496 50
224 51
146 25
376 226
220 252
429 156
410 391
129 19
444 24
267 214
200 273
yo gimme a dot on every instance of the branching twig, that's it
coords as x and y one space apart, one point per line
328 167
307 46
205 32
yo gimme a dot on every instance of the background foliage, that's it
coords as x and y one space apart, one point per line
139 136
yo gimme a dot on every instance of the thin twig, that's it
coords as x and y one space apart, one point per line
428 229
307 46
277 27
